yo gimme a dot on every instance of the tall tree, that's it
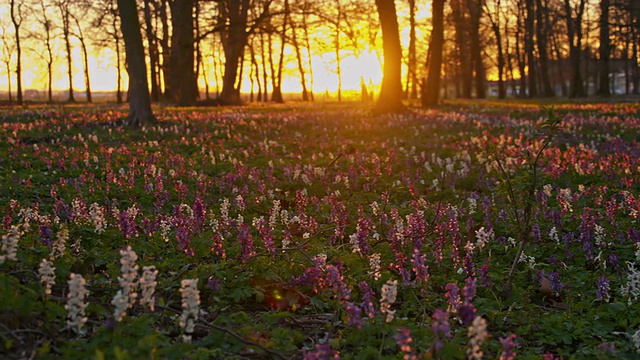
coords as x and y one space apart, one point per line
542 36
604 50
182 83
154 56
16 19
480 74
139 102
465 70
529 43
412 63
495 21
46 37
390 99
574 31
65 15
7 54
235 28
85 58
431 89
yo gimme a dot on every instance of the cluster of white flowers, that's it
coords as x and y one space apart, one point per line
190 304
224 211
600 236
374 264
388 297
273 216
484 236
375 208
529 260
632 287
473 204
126 296
97 218
10 244
76 304
477 336
78 211
148 286
564 199
553 235
59 245
46 270
165 229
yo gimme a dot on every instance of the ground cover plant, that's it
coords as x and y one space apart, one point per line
321 232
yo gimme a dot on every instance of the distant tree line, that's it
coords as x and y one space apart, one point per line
523 48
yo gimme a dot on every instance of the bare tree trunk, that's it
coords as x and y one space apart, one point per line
166 49
46 24
337 49
520 55
139 102
465 70
574 30
412 65
265 78
153 51
277 88
309 59
475 12
296 45
605 49
390 99
182 81
529 48
494 19
431 89
16 19
542 34
63 6
85 60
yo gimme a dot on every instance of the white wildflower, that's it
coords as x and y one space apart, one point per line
477 336
484 236
632 287
97 218
126 296
374 264
59 246
10 244
76 304
148 286
47 275
190 304
388 297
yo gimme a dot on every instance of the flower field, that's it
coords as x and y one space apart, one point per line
475 231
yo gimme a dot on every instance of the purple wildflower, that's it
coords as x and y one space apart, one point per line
441 329
453 296
321 352
335 281
508 346
214 284
602 291
367 300
246 241
419 268
483 274
403 339
353 314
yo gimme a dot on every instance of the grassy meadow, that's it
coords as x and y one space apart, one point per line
487 230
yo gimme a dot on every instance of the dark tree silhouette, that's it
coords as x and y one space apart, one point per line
390 99
182 82
16 19
605 49
139 101
431 89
